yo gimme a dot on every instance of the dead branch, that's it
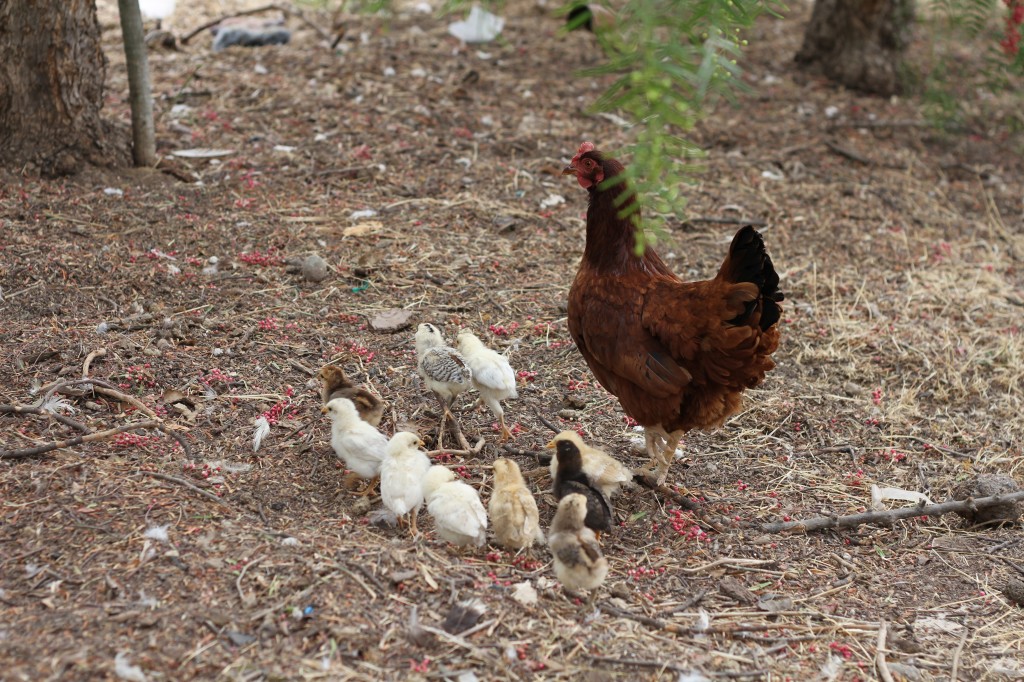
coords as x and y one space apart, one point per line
683 501
38 409
56 445
182 482
888 516
545 422
104 388
883 667
98 353
473 451
288 11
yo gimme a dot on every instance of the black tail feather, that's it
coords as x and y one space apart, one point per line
749 261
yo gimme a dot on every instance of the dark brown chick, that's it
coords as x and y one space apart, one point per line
336 384
570 479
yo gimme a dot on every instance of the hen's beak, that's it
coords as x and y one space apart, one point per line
570 170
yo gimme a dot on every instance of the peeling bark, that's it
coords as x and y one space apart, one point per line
859 43
52 70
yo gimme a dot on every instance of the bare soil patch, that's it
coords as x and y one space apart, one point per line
900 248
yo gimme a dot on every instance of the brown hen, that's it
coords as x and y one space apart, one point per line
676 354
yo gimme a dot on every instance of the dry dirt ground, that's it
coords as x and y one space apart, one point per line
900 248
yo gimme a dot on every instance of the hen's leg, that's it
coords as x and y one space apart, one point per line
668 455
655 437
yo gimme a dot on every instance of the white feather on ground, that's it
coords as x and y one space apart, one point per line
360 445
459 515
402 473
492 375
261 432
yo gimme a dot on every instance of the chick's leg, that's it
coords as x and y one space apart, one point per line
445 413
413 530
369 487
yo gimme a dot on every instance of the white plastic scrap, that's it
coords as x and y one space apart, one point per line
113 192
479 27
127 671
525 594
880 495
359 215
262 429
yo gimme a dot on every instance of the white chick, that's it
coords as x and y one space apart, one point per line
359 444
401 476
606 473
579 563
459 516
444 371
512 508
492 376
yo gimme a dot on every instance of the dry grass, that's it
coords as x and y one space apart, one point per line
901 365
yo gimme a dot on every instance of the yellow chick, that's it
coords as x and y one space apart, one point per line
360 445
492 376
512 508
579 563
605 473
336 384
459 516
401 476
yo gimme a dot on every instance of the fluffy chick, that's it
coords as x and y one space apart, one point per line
401 476
606 473
459 516
492 376
444 371
579 563
569 478
512 508
336 384
360 445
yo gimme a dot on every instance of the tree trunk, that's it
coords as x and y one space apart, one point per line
139 90
859 43
51 87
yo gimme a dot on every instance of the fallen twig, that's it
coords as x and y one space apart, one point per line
38 410
682 500
98 353
475 450
182 482
883 667
241 574
56 445
258 10
888 516
545 422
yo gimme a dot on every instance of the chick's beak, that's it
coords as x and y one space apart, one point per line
421 443
570 170
323 410
550 445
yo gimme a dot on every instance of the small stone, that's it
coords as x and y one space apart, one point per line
164 344
392 320
151 352
987 485
1014 591
314 268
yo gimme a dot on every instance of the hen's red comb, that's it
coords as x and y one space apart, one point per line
584 148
